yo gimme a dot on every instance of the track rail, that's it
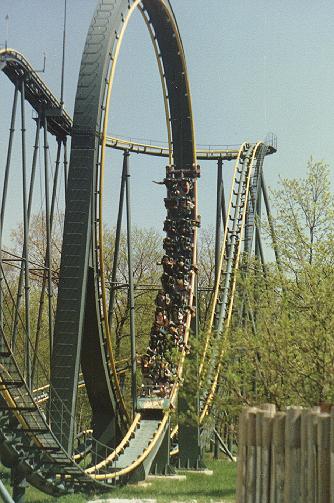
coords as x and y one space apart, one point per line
231 208
203 153
250 159
17 67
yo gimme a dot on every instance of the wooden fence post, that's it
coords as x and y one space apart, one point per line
278 459
285 457
312 422
292 455
242 457
267 438
304 462
324 422
269 407
251 456
258 471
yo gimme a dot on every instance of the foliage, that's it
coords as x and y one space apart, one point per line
304 218
146 254
282 350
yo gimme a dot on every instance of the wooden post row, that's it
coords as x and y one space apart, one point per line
285 457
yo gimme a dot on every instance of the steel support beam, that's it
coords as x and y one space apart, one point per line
31 193
220 213
222 446
223 200
258 215
25 257
131 286
271 223
4 494
65 166
44 283
48 255
4 198
259 252
117 239
218 216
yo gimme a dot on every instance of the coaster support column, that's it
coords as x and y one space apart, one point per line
131 287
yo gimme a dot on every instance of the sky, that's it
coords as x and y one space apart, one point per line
255 67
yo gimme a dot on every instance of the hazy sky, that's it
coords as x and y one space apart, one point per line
255 67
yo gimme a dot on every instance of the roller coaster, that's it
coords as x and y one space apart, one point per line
47 354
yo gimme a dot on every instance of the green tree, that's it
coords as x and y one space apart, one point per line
283 352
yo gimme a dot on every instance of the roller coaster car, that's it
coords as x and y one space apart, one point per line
153 403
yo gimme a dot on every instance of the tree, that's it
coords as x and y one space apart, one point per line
147 253
304 216
206 272
284 352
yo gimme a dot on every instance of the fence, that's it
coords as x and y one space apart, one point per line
285 457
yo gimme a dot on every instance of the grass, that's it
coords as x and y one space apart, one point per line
203 488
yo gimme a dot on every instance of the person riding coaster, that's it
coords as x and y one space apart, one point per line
168 330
